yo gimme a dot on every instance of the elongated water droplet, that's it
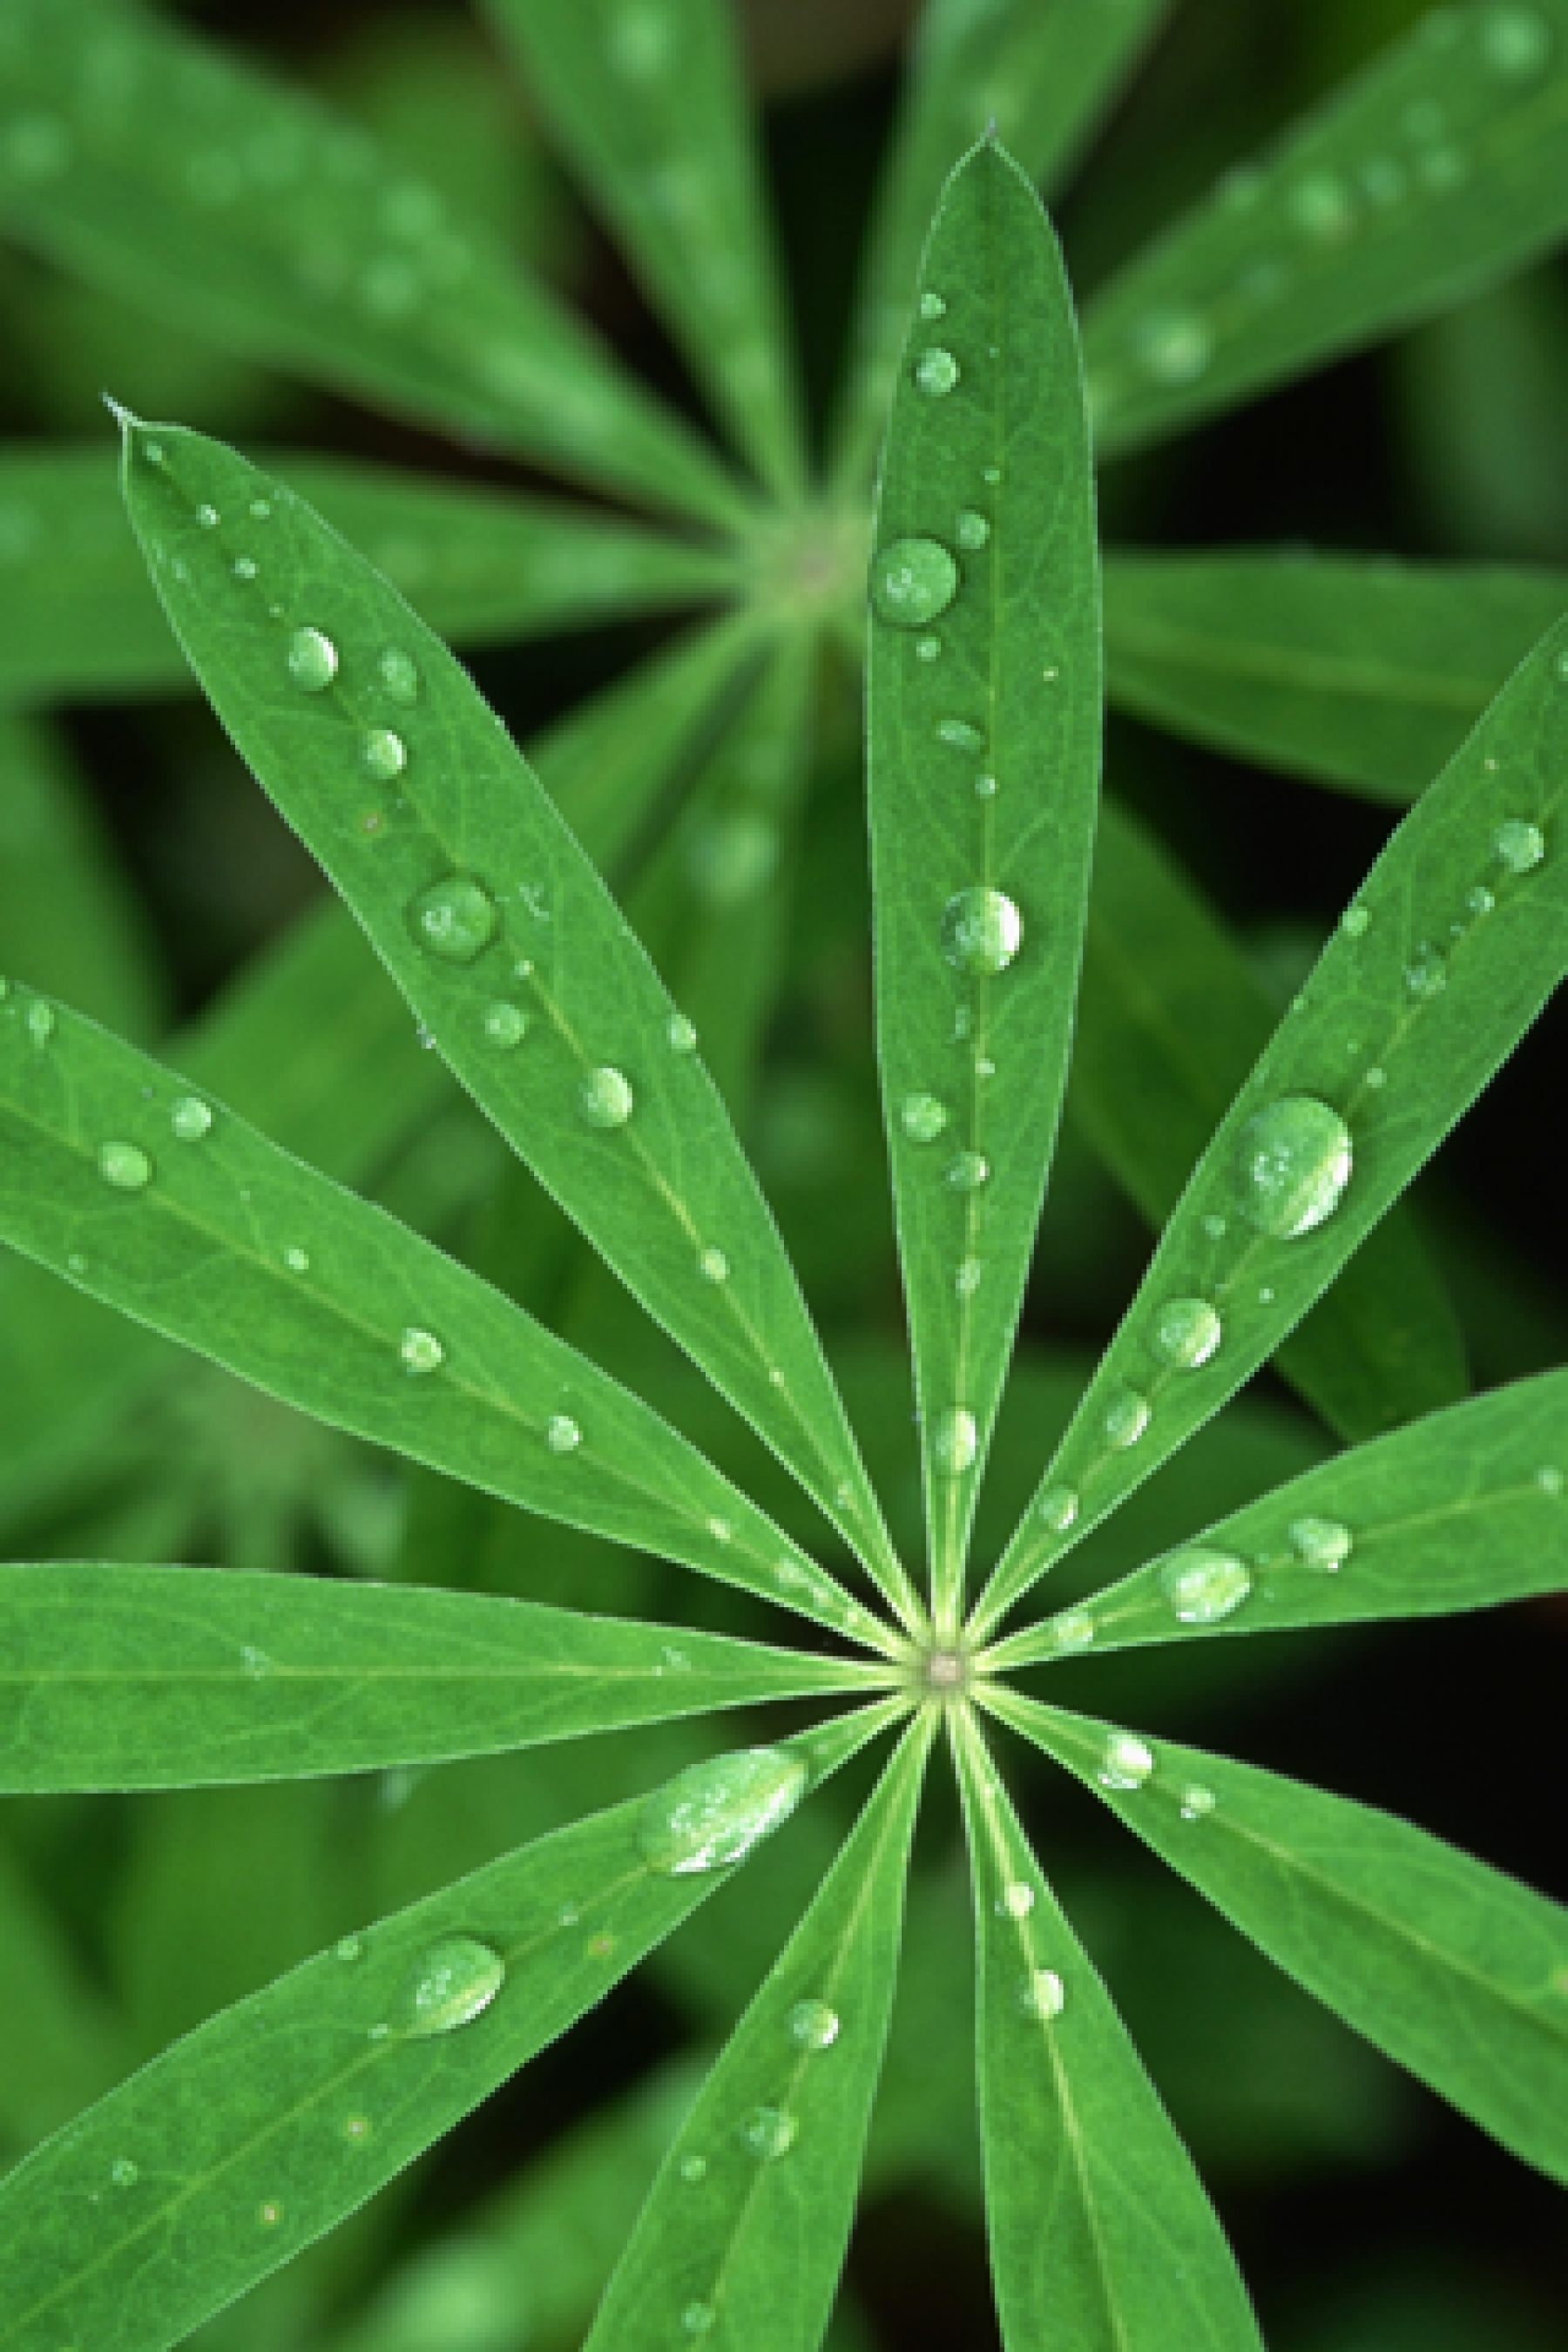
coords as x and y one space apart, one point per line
448 1986
1126 1418
967 1276
399 674
1518 845
455 918
970 529
1203 1587
561 1434
981 930
1322 1544
922 1118
1071 1629
768 2133
713 1813
125 1166
1058 1508
912 579
312 659
959 735
813 2025
1296 1160
967 1170
383 754
605 1097
936 371
955 1440
713 1265
190 1117
505 1024
1187 1331
1127 1762
1042 1994
421 1351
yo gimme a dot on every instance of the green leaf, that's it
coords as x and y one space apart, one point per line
159 169
650 104
117 1677
1356 672
1461 1511
743 2234
1100 2234
1039 74
60 2041
1436 171
378 749
1171 1017
256 2132
1456 1972
168 1206
982 730
1452 946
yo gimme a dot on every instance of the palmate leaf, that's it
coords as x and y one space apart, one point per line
377 748
161 170
116 1677
168 1206
1461 1511
982 730
1436 171
743 2234
254 2134
476 565
1361 672
1171 1017
1456 1972
650 104
1451 947
1036 73
1101 2237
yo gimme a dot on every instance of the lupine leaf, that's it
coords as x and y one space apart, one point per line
255 2134
1355 671
1453 944
114 1677
478 565
1463 1511
378 749
1172 1016
1037 73
1456 1972
650 104
166 1206
983 728
160 169
1433 174
1100 2234
743 2234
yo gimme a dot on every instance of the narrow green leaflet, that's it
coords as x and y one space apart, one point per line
1447 954
163 170
1171 1017
1433 174
1365 673
1459 1973
1102 2236
160 1202
743 2234
478 565
115 1677
650 103
407 789
255 2134
983 734
1037 73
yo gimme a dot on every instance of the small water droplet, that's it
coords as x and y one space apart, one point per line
1126 1418
349 1948
768 2133
1204 1586
1517 844
967 1276
208 518
191 1118
356 2129
1214 1227
713 1265
912 581
1321 207
420 1351
972 528
124 2173
296 1259
124 1165
561 1434
927 649
399 674
312 660
1480 900
1426 974
1042 1994
981 930
505 1024
383 754
1058 1508
1195 1801
959 735
681 1035
813 2025
1126 1762
932 305
713 1813
1015 1900
967 1170
244 567
1174 347
270 2212
922 1118
1354 922
955 1440
1516 43
448 1986
1549 1478
1187 1331
984 787
1072 1629
1296 1159
455 918
697 2319
260 510
694 2169
605 1097
1322 1544
40 1020
936 371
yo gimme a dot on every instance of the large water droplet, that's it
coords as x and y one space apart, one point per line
1322 1544
1296 1159
605 1097
712 1814
190 1117
1203 1587
125 1166
561 1434
455 918
1186 1332
955 1440
1126 1762
1126 1418
420 1351
912 579
922 1118
448 1986
768 2133
936 371
813 2025
981 930
383 754
312 659
1517 844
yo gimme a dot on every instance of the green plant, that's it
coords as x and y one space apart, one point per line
154 1194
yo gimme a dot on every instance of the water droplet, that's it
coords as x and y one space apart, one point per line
270 2212
713 1265
561 1434
1376 1077
1320 206
356 2129
927 649
1214 1227
455 918
296 1259
1186 1332
1518 845
694 2169
421 1351
349 1948
1354 922
124 2173
966 1279
955 1440
967 1170
960 735
208 517
1016 1901
681 1035
124 1165
1126 1762
605 1097
936 371
698 2318
912 579
1042 1994
1126 1418
972 530
1072 1629
191 1118
1203 1587
768 2133
985 787
448 1986
1174 347
1296 1159
1058 1508
1323 1544
922 1118
1426 975
1516 43
40 1020
399 674
260 510
505 1024
1480 900
244 567
312 660
982 931
932 305
383 754
1549 1478
713 1813
813 2025
1195 1801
